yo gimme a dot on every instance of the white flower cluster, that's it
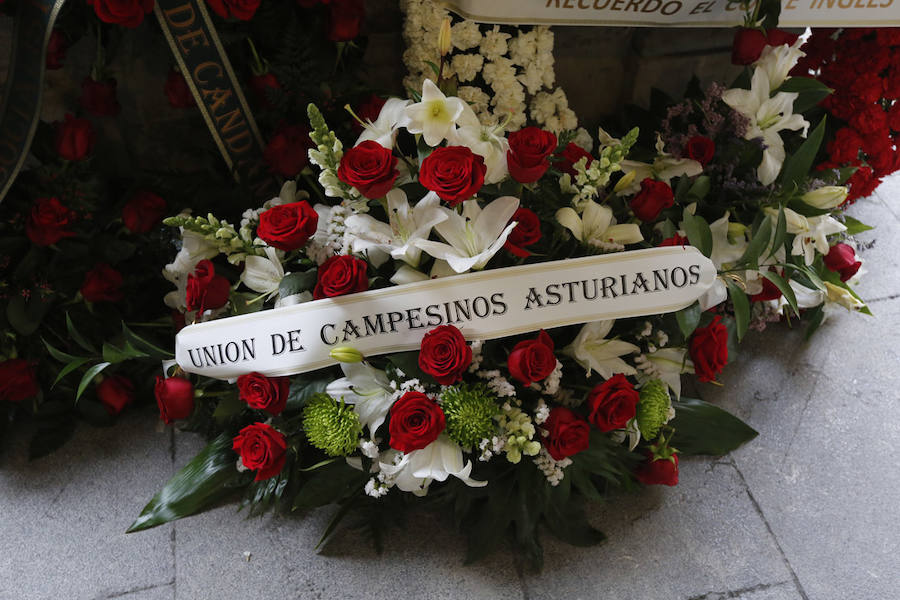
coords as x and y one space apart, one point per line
551 383
497 383
552 469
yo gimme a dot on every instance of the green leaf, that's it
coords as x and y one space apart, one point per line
784 287
797 166
227 407
26 316
815 317
699 189
68 369
759 243
701 428
60 355
854 226
302 390
88 377
688 319
329 484
780 233
143 345
571 526
77 337
698 232
114 355
741 307
408 362
297 282
209 477
809 92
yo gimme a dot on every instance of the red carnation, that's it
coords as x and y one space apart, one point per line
264 393
369 167
700 148
17 380
286 153
115 393
48 222
206 290
532 360
416 421
129 13
613 403
454 173
841 259
288 226
143 212
652 199
567 433
340 275
570 155
262 448
444 354
102 284
177 91
174 397
529 152
526 232
74 138
709 349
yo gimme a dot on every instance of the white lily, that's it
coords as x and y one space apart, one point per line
369 391
407 225
435 115
384 130
597 227
415 471
724 252
810 233
826 197
777 61
768 116
667 364
406 274
474 236
664 168
485 141
263 274
594 352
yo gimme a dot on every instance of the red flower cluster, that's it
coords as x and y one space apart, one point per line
529 153
454 173
262 448
129 13
49 222
340 275
174 397
143 212
416 421
237 9
369 167
709 349
526 232
102 284
265 393
17 380
532 360
444 354
288 226
205 289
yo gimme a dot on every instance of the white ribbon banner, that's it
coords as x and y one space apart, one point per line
675 13
483 305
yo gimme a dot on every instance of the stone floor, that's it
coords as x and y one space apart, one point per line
807 511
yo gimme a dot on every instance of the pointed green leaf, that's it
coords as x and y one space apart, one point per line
854 226
143 345
68 369
88 377
815 317
698 232
758 244
688 319
60 355
785 288
701 428
114 355
741 307
780 233
809 91
77 337
699 189
797 166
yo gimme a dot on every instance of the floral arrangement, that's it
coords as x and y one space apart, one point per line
515 432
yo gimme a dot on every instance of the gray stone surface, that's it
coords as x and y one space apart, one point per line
880 247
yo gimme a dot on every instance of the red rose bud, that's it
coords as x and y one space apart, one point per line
570 155
675 240
48 222
658 471
99 97
779 37
652 199
613 403
17 380
288 226
769 291
143 212
567 433
532 360
454 173
74 138
701 149
340 275
286 153
175 398
262 448
234 9
369 167
102 284
747 46
345 18
526 232
529 152
709 349
841 259
264 393
444 354
206 290
177 91
56 50
416 421
115 393
128 13
259 84
368 111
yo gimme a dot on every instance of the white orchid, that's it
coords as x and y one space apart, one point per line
263 274
810 233
663 168
369 391
414 471
407 225
768 116
384 130
594 352
597 227
435 115
474 236
485 141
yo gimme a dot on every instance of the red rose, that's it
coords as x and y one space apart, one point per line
529 152
288 226
675 240
177 91
265 393
700 148
532 360
444 354
747 46
369 167
99 97
454 173
709 349
262 448
769 291
779 37
841 258
206 290
286 152
345 18
368 110
17 380
47 222
238 9
175 398
74 138
56 50
143 212
567 433
129 13
259 84
340 275
526 232
416 421
570 155
115 393
102 284
652 199
658 471
613 403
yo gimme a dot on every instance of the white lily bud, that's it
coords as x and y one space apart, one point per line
839 295
444 37
827 197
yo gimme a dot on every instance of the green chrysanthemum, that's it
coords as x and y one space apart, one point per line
331 426
653 408
470 411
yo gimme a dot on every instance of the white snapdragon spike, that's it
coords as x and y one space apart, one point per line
810 233
194 248
663 168
667 365
594 352
369 391
768 116
435 115
415 471
597 227
474 236
263 274
724 252
777 61
407 225
384 130
485 141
